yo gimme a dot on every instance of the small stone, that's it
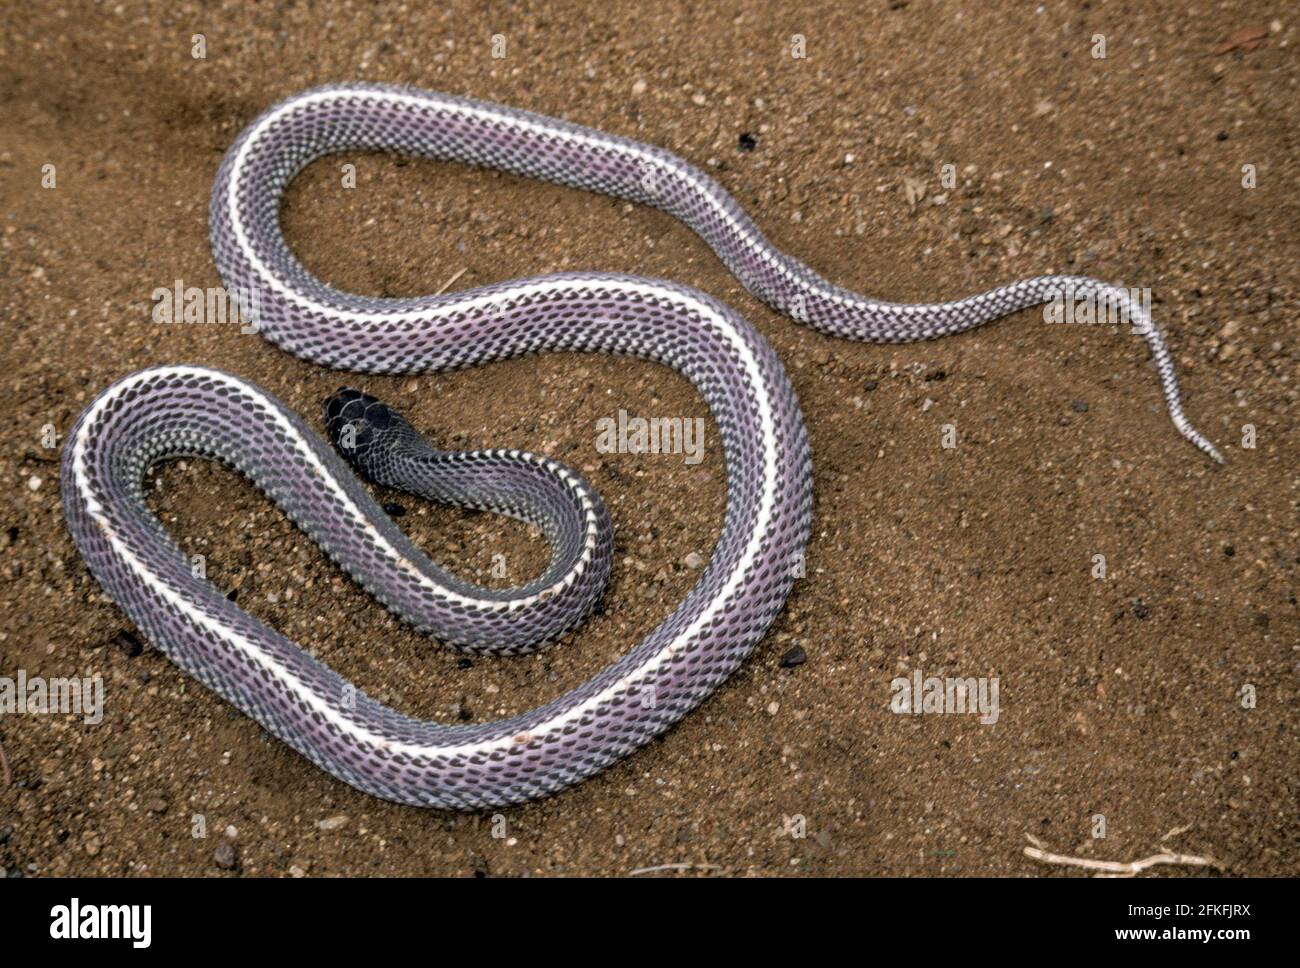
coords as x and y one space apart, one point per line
1140 611
224 856
158 806
296 871
1079 406
871 385
332 823
795 657
129 643
693 560
747 142
638 87
772 707
33 483
6 832
394 510
464 662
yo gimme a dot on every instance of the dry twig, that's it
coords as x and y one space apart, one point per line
1114 868
674 867
448 284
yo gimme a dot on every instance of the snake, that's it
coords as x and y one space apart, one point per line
170 411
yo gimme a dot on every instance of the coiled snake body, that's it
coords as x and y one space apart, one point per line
168 411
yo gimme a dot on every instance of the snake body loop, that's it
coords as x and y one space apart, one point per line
172 410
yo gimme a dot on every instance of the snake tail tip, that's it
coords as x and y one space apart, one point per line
1213 452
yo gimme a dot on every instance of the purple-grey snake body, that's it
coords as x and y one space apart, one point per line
167 411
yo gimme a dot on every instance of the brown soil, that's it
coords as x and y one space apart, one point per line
1119 697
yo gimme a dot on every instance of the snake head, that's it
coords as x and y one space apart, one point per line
356 422
369 434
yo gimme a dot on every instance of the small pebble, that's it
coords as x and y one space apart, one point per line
129 643
747 142
1140 610
332 823
795 657
693 560
33 483
224 856
1079 406
394 510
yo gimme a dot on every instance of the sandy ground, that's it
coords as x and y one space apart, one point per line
1120 698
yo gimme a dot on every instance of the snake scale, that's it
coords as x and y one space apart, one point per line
176 410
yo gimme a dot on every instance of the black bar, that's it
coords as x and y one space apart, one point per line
925 918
